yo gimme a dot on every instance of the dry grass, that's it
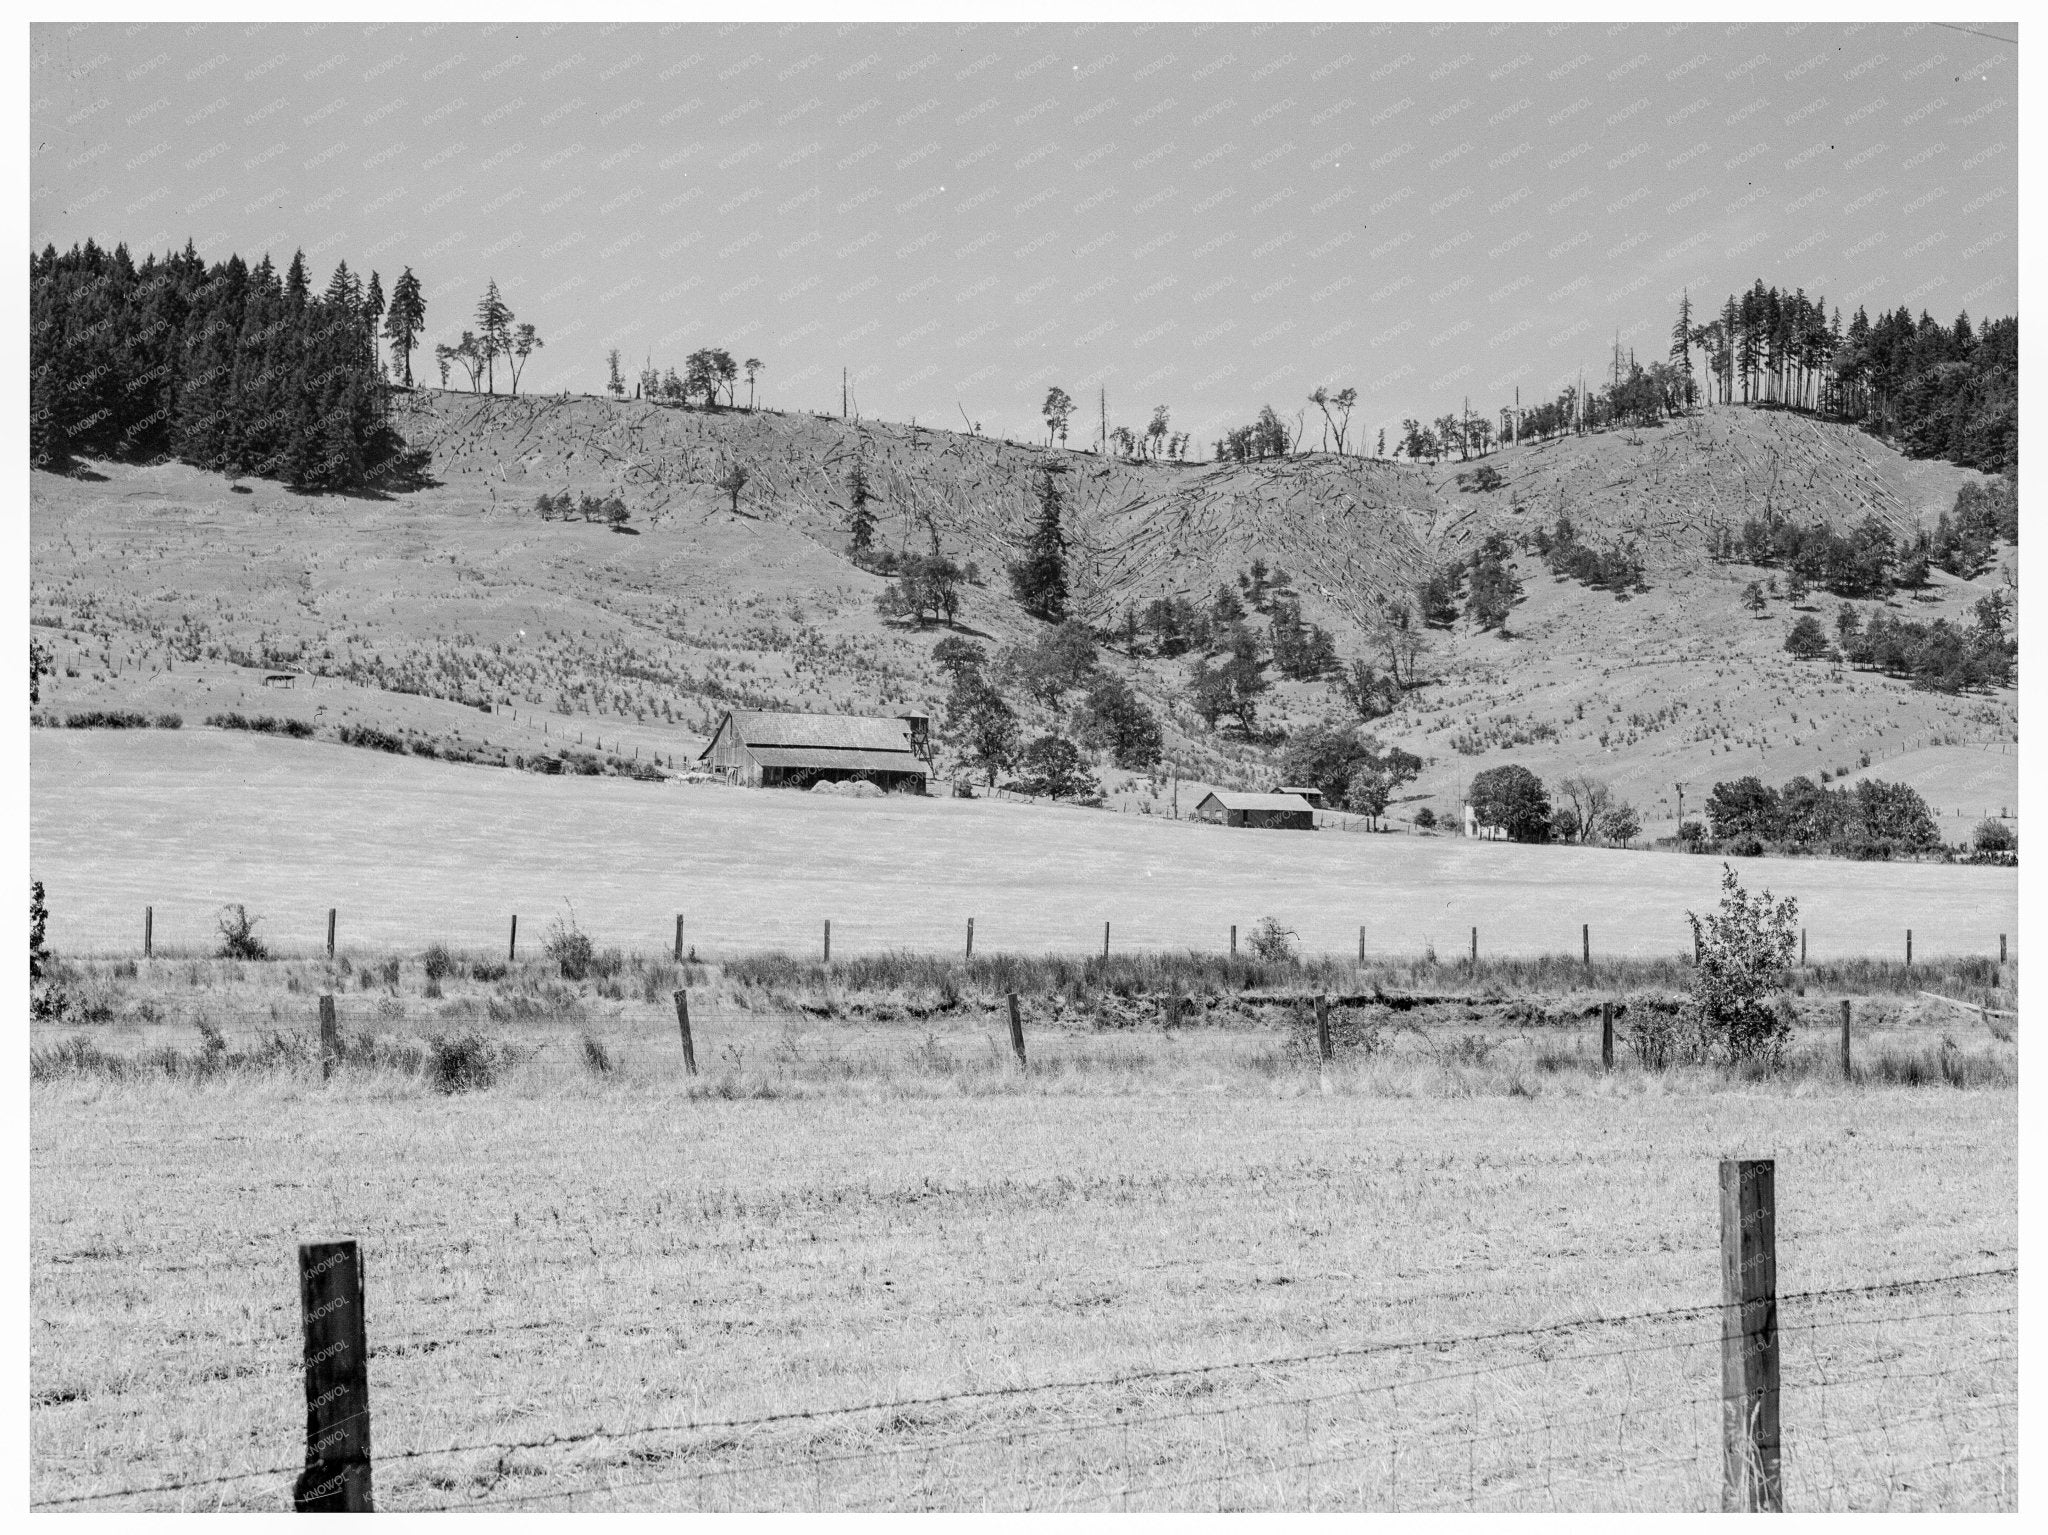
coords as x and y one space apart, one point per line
858 1204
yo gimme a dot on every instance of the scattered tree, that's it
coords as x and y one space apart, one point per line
1040 578
404 320
1512 798
1745 960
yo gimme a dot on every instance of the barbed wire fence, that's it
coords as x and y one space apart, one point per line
1894 1394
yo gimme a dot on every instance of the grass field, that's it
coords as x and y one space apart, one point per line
412 852
612 1291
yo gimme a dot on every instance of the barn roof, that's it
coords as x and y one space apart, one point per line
847 732
1231 799
838 757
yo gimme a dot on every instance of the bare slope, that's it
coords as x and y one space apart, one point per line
161 586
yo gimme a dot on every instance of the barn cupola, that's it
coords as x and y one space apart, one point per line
920 734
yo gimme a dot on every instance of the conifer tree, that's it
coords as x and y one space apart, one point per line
407 318
1040 578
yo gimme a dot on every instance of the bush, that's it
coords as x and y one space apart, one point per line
1993 836
462 1062
1271 942
1745 961
1660 1032
1425 818
107 719
371 737
438 962
595 1056
47 1000
238 938
170 721
570 948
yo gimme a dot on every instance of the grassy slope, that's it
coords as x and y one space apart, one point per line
640 640
413 852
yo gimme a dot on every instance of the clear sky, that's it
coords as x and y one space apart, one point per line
1206 217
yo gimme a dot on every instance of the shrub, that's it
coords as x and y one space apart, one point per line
1660 1032
459 1063
1993 836
1425 818
371 737
107 719
438 962
1745 961
488 970
1271 942
47 1000
595 1056
238 938
170 721
570 948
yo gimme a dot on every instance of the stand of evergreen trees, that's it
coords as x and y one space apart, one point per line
230 367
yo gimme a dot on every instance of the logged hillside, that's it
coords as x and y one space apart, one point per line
163 587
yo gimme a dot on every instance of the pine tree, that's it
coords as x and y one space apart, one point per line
860 522
1040 578
407 318
494 332
1681 343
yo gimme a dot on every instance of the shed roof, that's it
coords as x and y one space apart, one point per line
853 757
1231 799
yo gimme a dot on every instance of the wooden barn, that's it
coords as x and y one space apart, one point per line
1283 812
795 751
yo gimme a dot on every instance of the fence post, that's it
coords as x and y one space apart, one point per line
1322 1027
1016 1031
2001 948
1233 943
512 943
1909 946
828 940
1845 1038
1361 943
1802 948
1607 1036
683 1024
337 1475
1105 948
970 938
330 932
1750 1481
149 934
679 938
1475 945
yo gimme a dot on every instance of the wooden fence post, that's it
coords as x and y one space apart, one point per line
330 1038
330 932
1361 943
149 933
828 940
2001 948
1607 1036
679 938
512 943
1845 1038
683 1024
1750 1481
1105 948
1909 946
1016 1030
337 1475
970 938
1475 945
1323 1027
1233 943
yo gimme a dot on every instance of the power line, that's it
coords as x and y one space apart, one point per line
1993 36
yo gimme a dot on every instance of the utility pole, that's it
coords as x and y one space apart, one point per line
842 394
1681 807
1102 399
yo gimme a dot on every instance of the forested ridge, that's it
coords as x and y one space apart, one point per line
232 368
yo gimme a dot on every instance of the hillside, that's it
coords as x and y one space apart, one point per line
165 585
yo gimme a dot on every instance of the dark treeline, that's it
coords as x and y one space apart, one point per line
1938 391
229 367
1873 820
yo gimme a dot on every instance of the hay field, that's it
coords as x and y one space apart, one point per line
612 1291
412 852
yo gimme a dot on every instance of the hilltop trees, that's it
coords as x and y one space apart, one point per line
525 342
753 367
405 319
494 332
1058 409
227 367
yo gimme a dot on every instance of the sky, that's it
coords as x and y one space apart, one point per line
1206 217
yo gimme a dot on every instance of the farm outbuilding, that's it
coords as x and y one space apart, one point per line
1284 812
761 750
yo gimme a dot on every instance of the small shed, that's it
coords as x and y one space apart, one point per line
796 751
1283 812
1313 795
